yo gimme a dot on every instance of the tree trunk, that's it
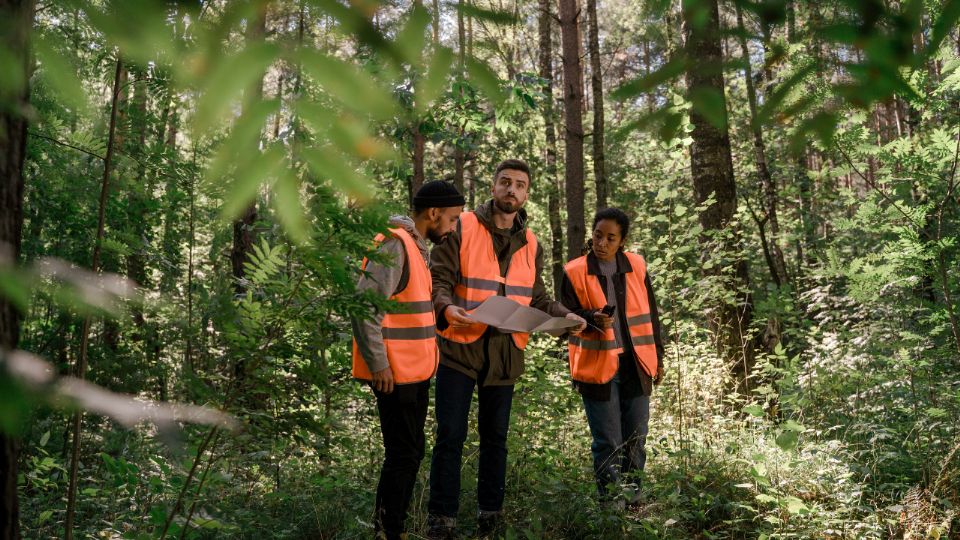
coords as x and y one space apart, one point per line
81 371
712 170
458 157
596 83
569 12
778 270
550 168
13 145
243 228
418 149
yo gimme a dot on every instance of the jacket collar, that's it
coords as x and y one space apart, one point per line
484 214
593 264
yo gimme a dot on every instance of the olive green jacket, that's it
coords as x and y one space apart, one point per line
493 359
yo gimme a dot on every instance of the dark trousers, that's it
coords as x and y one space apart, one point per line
402 415
453 396
619 429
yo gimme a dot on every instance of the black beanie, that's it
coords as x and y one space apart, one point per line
438 194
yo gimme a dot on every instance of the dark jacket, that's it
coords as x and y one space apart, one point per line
493 360
629 368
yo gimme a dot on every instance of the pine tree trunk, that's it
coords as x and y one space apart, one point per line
569 12
596 84
458 157
550 169
18 15
81 371
243 228
712 169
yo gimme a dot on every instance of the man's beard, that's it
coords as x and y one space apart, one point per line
435 237
506 207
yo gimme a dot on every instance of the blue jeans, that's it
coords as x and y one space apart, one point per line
454 393
619 429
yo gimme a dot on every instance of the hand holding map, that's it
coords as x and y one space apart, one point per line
509 316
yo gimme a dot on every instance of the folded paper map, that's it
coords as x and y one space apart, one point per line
509 316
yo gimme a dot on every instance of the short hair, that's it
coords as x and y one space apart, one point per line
614 214
513 165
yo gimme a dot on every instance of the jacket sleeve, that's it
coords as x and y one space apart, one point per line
655 319
541 299
445 272
382 279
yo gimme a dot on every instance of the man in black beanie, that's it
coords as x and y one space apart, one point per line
396 352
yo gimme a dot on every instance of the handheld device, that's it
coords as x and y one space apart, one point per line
607 310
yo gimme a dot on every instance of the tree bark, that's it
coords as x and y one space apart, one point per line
243 228
569 12
596 84
94 267
13 145
778 270
550 162
712 170
459 159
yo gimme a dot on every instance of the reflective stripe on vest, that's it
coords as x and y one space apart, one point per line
480 277
409 333
594 354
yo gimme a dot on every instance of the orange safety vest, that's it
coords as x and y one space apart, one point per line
409 335
594 354
480 277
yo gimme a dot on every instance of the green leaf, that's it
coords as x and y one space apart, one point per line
44 438
796 506
791 425
286 202
947 20
260 170
486 80
429 88
754 410
14 70
497 17
138 28
61 74
787 440
665 73
349 85
780 93
243 138
17 287
230 78
412 38
764 498
326 162
710 103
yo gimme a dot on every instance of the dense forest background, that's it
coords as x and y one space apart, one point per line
187 189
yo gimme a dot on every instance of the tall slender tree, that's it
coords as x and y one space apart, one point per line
243 227
550 170
596 85
18 17
81 370
711 166
771 244
569 16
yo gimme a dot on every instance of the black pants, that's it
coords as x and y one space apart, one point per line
453 396
402 415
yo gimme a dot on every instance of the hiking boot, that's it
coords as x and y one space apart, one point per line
441 528
489 524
